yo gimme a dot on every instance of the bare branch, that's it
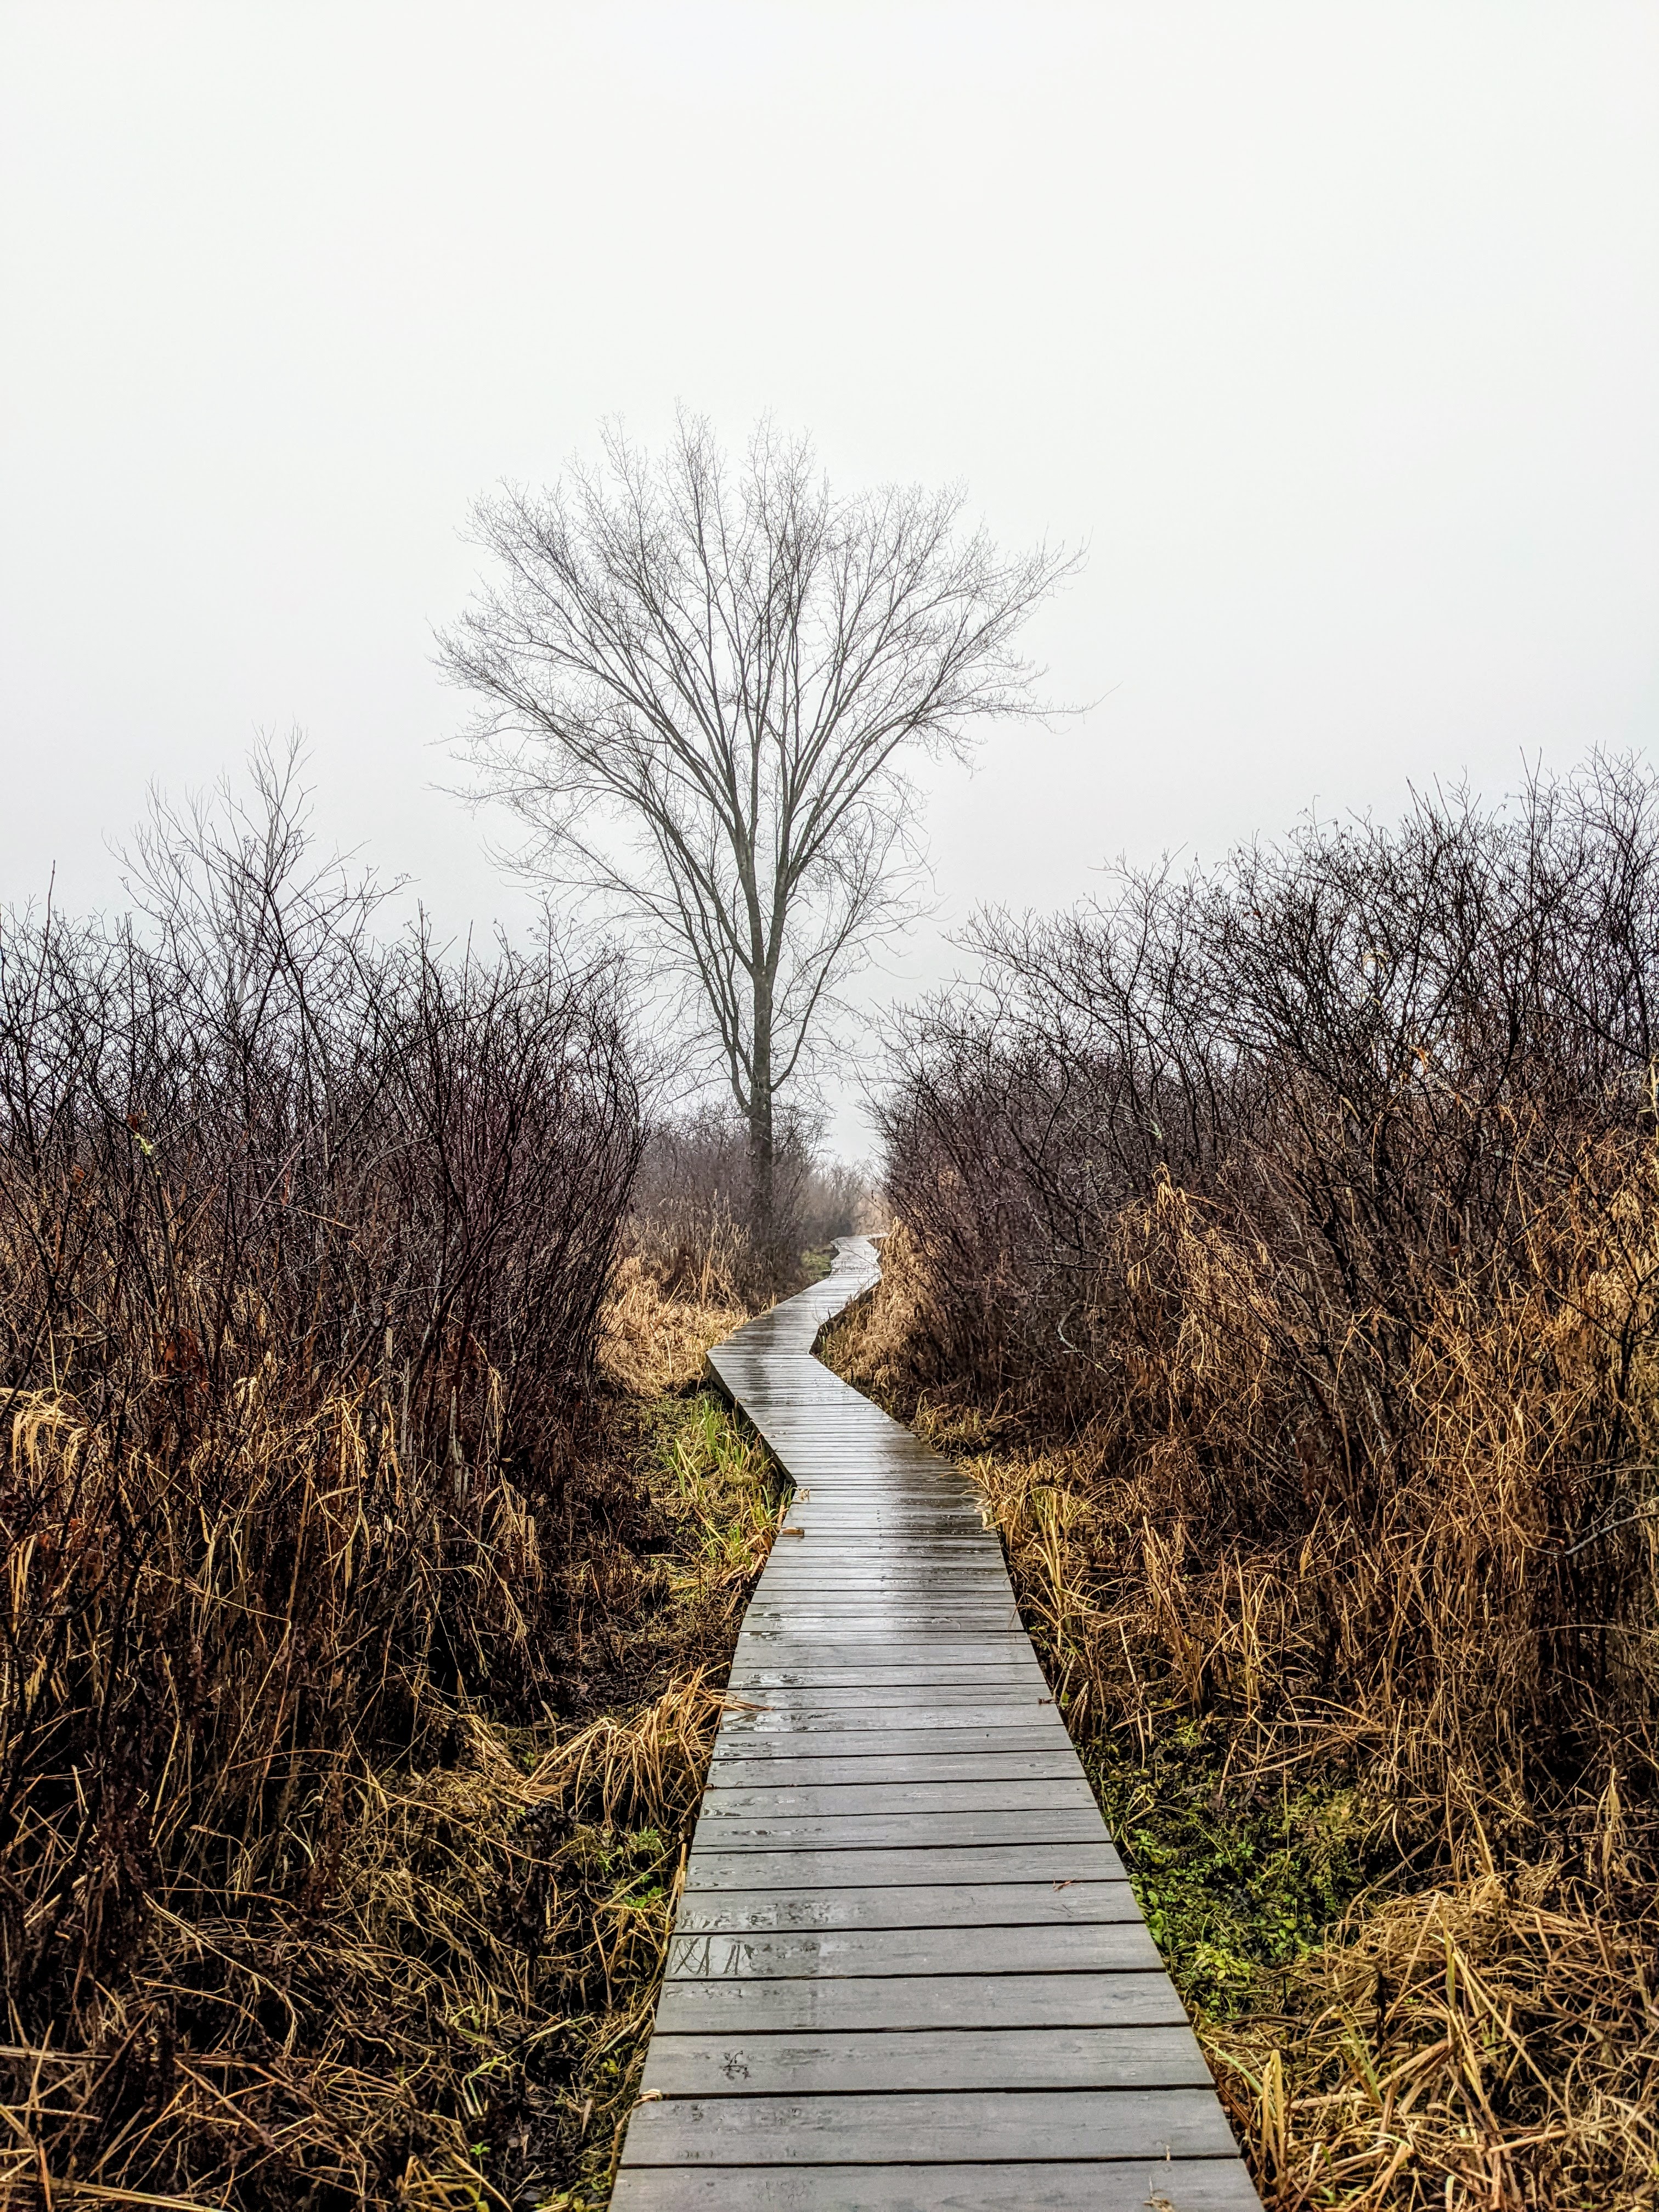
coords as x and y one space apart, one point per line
698 688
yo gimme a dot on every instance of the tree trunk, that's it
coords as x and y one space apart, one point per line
762 1177
762 1144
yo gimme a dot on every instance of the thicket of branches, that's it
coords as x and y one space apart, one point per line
304 1234
1332 1174
1300 1220
691 1223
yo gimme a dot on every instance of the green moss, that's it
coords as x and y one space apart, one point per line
716 1481
1232 1882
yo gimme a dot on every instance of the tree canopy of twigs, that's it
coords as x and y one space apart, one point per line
700 684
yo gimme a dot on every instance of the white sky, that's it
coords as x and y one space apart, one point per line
1333 328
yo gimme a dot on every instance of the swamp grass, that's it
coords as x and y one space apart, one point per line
364 1568
1402 2008
428 1980
1278 1246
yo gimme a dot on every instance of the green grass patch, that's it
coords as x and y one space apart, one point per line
1233 1881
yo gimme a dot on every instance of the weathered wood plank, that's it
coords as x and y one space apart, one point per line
758 2006
918 2126
740 1725
895 1628
873 1675
889 1605
912 1698
936 2058
1094 1947
887 1832
711 1868
813 1768
936 1659
1065 1793
974 1545
833 1498
1120 2185
779 1648
1027 1734
876 1706
814 1591
918 1904
800 1574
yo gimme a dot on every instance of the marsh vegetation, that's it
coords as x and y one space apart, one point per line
372 1563
1280 1244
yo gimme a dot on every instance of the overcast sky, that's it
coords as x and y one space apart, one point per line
1333 329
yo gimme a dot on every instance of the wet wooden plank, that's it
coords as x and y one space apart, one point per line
848 1559
813 1768
804 1574
924 2058
1068 1793
846 1515
1028 1734
1120 2185
917 1904
923 1659
740 1723
873 1675
894 1625
911 1697
808 1586
811 1589
713 1869
932 1660
779 1648
811 1594
806 1546
884 1616
909 1831
915 2126
819 1499
819 1525
1092 1946
974 1543
871 1708
757 2006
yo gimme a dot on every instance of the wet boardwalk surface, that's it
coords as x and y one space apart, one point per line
907 1970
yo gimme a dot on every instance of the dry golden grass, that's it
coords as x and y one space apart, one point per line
1495 2043
411 2005
1480 2029
653 1341
366 1938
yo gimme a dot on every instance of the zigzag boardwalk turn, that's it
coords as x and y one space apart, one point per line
907 1970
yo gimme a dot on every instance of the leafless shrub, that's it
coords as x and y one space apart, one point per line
1293 1228
1339 1166
304 1237
1286 1244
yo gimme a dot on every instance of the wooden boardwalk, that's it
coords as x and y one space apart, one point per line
907 1970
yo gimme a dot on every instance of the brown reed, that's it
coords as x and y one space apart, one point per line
1280 1249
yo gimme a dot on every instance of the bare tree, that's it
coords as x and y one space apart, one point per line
699 685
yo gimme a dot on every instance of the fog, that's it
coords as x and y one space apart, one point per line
1332 331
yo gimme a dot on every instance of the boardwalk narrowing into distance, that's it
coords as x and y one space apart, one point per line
907 1969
